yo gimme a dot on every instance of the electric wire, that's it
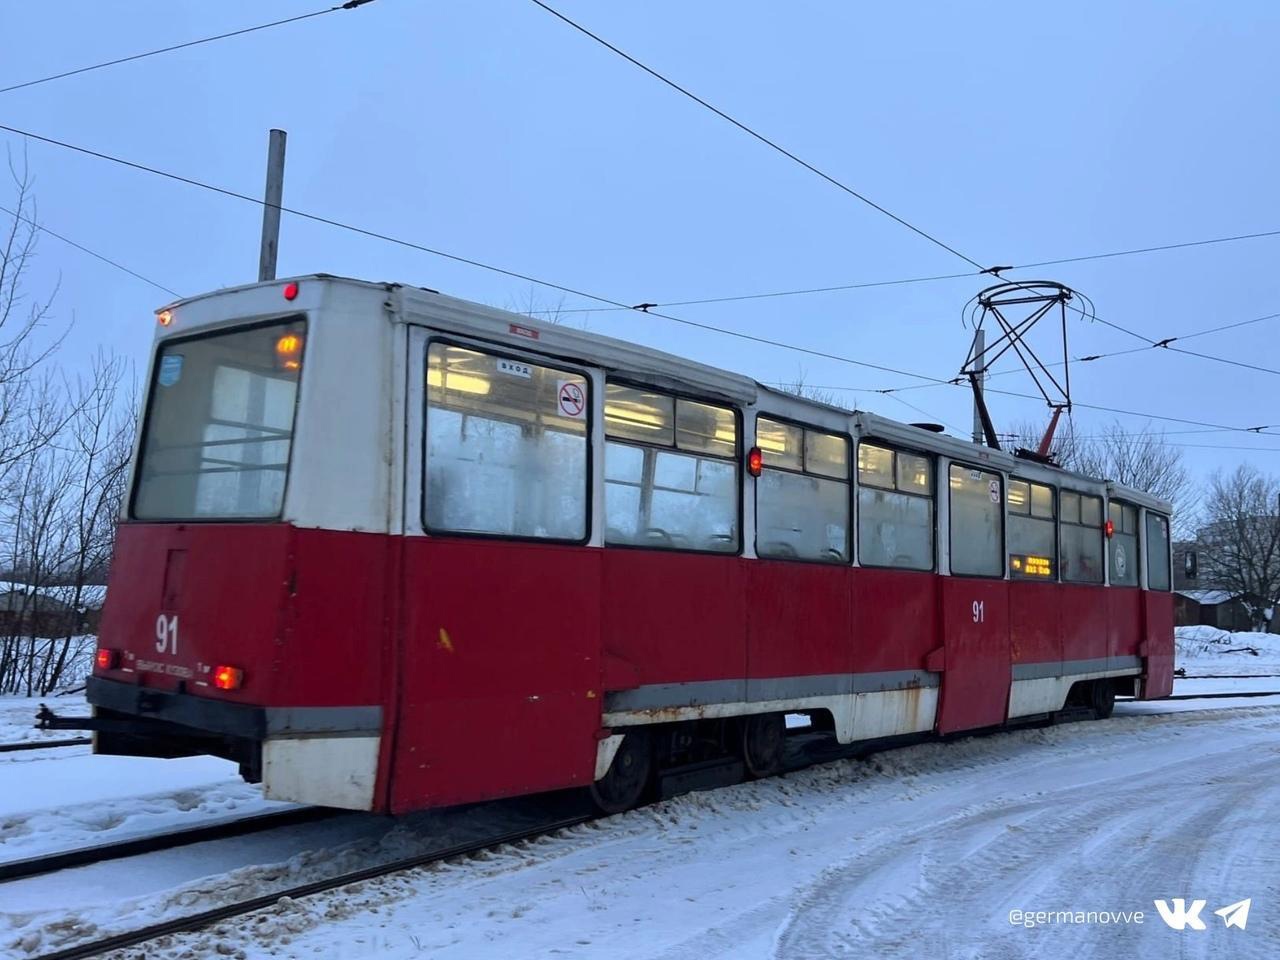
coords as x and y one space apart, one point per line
1161 343
753 133
864 199
754 338
352 228
834 288
351 5
93 253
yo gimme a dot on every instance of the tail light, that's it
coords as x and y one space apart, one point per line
107 659
227 678
755 461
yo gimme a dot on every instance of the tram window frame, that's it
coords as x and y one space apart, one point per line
931 498
1015 514
1001 564
1165 523
1133 564
1079 496
734 460
803 471
284 320
554 364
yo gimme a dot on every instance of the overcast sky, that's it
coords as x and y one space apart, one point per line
1013 132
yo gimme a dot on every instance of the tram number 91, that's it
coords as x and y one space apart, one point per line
167 634
979 611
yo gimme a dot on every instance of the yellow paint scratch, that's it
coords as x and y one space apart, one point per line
444 643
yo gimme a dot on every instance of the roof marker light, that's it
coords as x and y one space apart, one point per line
164 317
227 678
291 290
755 461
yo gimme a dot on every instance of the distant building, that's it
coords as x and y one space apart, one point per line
27 611
1181 548
1214 608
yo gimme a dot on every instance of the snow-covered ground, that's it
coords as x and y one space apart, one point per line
18 717
918 852
1208 650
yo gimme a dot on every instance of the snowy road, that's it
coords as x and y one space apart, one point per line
917 852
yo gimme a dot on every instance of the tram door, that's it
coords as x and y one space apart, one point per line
498 685
975 604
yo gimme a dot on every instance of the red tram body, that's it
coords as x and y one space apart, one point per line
392 550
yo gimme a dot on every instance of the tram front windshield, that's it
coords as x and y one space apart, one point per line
219 425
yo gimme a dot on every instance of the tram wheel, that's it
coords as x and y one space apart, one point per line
763 741
627 781
1103 699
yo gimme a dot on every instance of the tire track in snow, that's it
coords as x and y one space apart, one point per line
1101 845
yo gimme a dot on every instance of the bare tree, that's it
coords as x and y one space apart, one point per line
99 446
801 388
543 308
29 412
35 538
1141 459
59 529
1239 542
64 449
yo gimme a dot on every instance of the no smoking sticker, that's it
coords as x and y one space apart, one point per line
571 399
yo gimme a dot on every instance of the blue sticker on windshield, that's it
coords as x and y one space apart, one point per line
170 369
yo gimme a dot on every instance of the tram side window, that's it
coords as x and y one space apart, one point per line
802 496
1032 532
1157 552
1081 559
670 472
506 447
1123 547
977 522
895 508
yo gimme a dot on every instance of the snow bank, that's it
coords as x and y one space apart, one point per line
1202 649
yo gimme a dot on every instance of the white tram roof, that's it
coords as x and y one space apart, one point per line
420 305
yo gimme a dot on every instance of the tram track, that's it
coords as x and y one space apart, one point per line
198 921
1226 676
153 843
1223 695
45 744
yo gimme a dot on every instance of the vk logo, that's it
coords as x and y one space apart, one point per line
1180 917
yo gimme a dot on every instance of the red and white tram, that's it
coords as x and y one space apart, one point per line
393 550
